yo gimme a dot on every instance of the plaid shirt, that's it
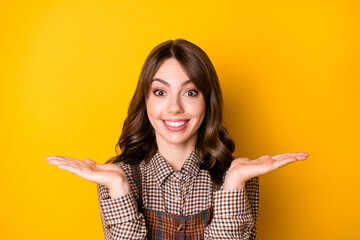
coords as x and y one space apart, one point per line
183 192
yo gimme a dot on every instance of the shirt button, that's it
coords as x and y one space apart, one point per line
180 227
177 175
177 198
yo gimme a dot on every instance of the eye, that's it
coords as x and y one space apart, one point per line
159 92
191 93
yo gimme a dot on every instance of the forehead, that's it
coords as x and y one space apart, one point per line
171 71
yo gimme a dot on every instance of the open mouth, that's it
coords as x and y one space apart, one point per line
175 124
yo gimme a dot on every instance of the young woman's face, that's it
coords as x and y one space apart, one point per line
175 107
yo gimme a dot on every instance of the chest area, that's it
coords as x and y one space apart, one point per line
178 194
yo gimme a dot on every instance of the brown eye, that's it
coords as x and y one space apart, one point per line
191 93
159 92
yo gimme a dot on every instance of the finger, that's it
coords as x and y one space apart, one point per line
56 161
70 168
64 159
72 159
61 158
298 156
301 157
302 153
260 159
78 167
284 161
86 160
58 157
290 154
83 164
281 155
60 163
89 161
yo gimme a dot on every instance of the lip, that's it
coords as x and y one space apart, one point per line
176 120
176 129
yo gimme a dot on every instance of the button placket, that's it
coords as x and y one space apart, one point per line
175 197
180 227
179 198
180 224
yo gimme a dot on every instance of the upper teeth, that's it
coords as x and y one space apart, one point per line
175 124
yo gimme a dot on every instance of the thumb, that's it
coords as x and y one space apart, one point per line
88 161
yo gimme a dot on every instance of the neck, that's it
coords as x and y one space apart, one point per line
175 154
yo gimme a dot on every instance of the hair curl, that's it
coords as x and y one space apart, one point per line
214 144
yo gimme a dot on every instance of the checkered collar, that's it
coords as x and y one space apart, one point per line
162 168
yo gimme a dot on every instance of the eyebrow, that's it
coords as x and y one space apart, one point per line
168 84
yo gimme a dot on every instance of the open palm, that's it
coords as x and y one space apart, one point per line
243 169
104 174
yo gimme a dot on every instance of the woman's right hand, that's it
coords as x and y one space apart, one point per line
109 175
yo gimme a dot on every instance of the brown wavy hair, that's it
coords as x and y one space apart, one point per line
214 144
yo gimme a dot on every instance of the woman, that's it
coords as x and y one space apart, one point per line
176 177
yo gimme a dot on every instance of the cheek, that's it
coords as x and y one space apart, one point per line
153 109
198 109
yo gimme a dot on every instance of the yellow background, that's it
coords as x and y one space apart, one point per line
289 72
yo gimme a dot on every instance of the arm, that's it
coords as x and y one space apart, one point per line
236 206
235 213
120 217
119 213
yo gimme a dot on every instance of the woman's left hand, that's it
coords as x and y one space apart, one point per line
243 169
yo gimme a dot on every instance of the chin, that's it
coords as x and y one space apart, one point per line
177 141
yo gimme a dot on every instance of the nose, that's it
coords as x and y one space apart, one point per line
174 105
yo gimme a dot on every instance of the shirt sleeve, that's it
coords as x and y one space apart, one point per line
120 217
235 213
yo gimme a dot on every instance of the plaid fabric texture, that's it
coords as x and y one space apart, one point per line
163 225
167 226
181 193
